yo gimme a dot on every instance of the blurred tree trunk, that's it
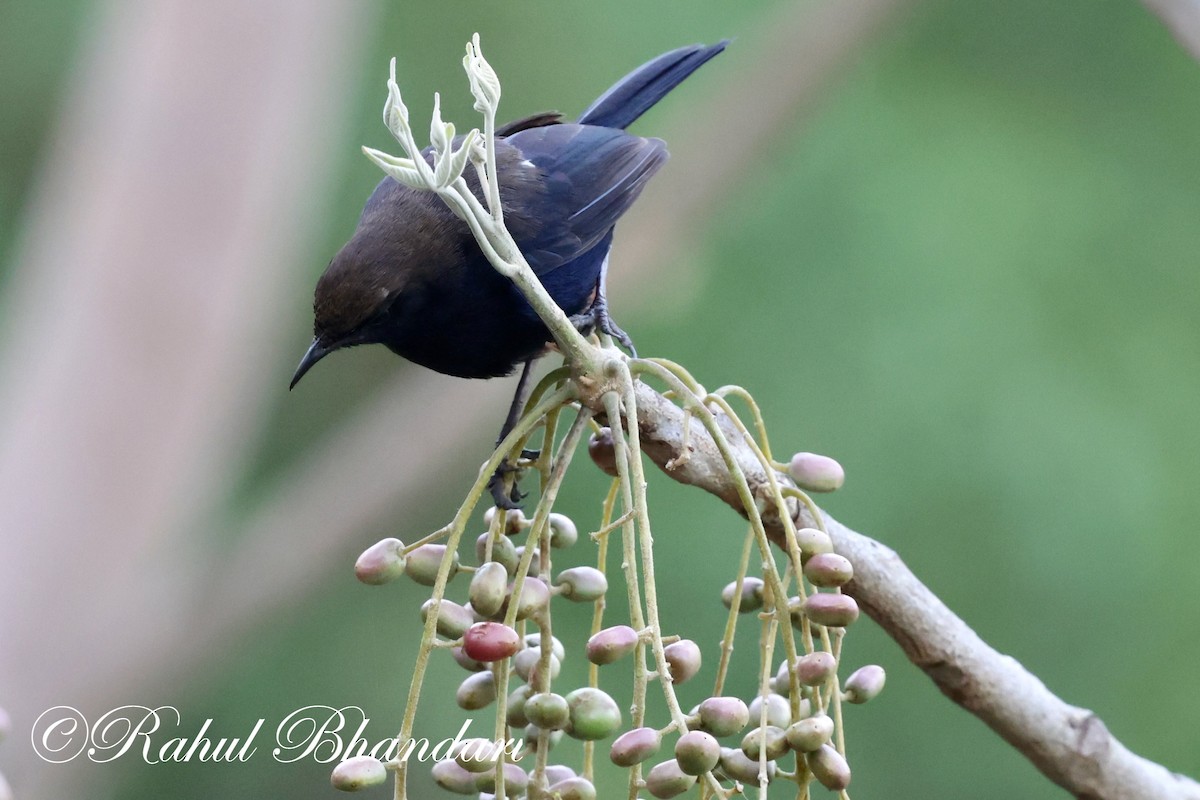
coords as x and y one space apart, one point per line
167 240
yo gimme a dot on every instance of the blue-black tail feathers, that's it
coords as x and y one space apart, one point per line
634 94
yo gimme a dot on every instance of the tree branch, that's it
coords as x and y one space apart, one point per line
1182 18
1069 745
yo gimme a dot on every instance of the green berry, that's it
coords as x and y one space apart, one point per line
668 780
771 739
453 778
582 584
864 684
381 563
489 585
423 564
816 473
548 710
833 609
477 691
815 668
635 746
810 733
683 660
752 595
723 716
829 767
697 752
358 772
611 644
452 619
573 789
593 714
828 570
563 532
779 710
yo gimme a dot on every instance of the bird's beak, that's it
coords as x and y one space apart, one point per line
316 352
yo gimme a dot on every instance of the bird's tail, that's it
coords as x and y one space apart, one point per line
634 94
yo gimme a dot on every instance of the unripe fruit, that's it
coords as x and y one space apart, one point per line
515 780
864 684
668 780
835 610
582 584
828 570
381 563
489 585
535 595
453 778
490 641
816 473
548 710
723 716
603 451
573 789
829 767
526 664
563 532
752 595
770 738
534 641
810 733
358 772
477 691
477 755
813 541
782 682
594 714
683 660
815 668
611 644
532 734
697 752
557 772
464 661
736 765
452 619
514 520
423 564
535 561
514 712
779 710
635 746
503 551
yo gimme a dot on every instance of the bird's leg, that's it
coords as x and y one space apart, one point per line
598 318
506 498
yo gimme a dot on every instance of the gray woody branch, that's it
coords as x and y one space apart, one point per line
1070 745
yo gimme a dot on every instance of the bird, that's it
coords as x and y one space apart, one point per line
413 279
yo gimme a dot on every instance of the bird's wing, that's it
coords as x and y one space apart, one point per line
586 178
525 123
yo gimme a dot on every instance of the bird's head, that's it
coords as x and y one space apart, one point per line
350 298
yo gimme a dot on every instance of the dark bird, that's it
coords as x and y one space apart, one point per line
413 278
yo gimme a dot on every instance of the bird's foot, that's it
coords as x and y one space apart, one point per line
503 496
598 318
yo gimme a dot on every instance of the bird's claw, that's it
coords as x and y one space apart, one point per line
598 318
508 499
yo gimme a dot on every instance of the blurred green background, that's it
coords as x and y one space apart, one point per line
966 268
